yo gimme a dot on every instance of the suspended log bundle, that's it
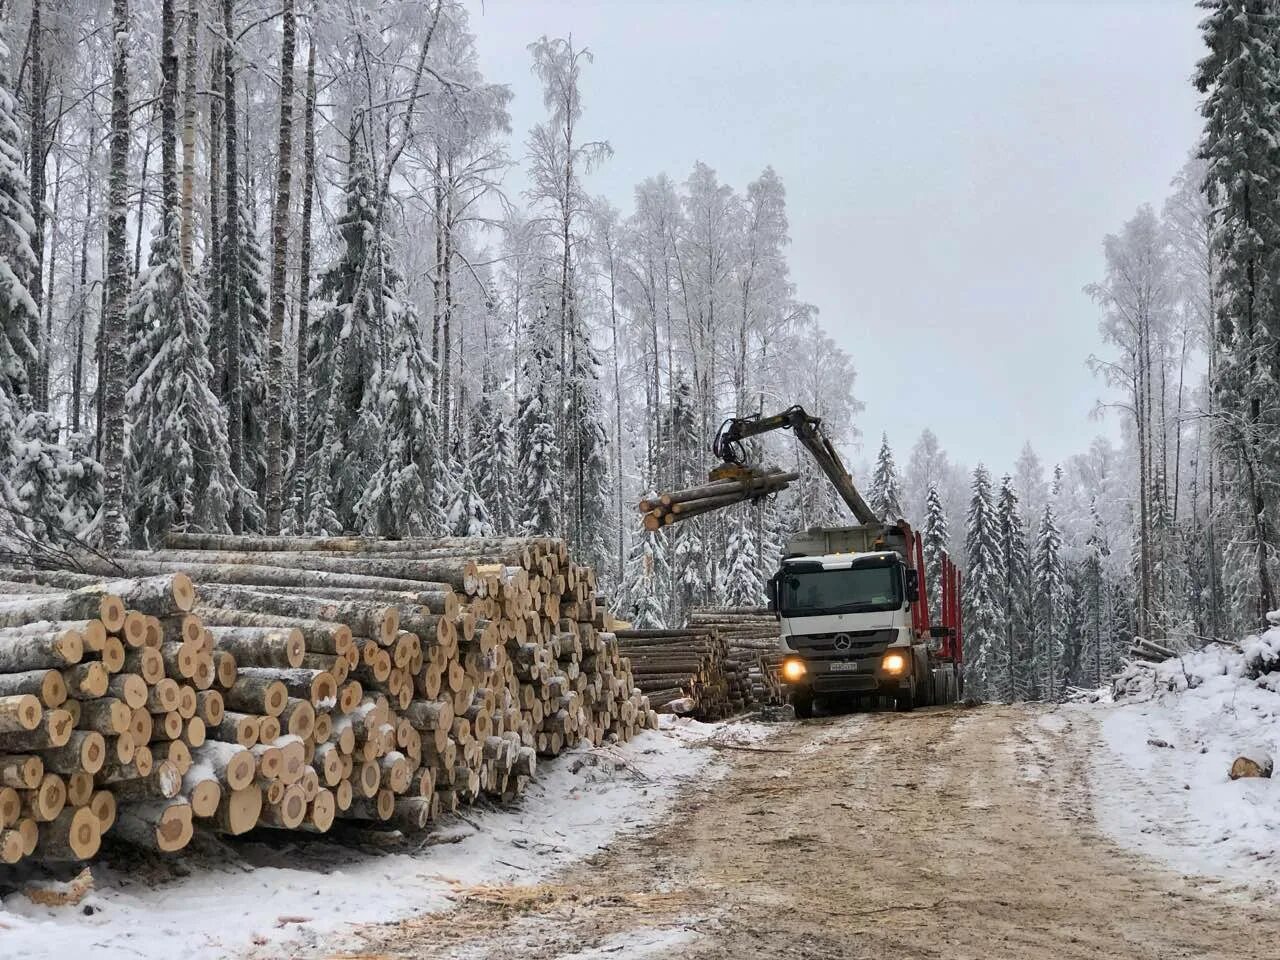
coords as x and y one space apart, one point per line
753 639
678 505
295 684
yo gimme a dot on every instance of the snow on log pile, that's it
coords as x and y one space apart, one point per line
237 682
753 640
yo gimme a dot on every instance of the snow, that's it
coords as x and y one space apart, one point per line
1160 786
310 893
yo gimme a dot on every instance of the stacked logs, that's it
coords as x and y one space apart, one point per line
312 681
103 701
1150 651
678 505
753 641
685 671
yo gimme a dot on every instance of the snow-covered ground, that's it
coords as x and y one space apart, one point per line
301 894
1160 786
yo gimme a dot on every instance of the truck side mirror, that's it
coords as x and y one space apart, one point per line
913 585
771 591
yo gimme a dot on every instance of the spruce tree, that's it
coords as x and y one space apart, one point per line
771 537
1093 596
983 633
402 496
741 584
254 319
18 311
178 471
468 516
644 595
1240 77
1017 667
342 357
587 454
493 458
886 489
693 584
36 474
538 456
82 483
1051 613
1078 652
936 537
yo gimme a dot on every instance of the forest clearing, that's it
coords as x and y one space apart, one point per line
432 527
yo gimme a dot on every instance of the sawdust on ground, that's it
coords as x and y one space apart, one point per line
947 833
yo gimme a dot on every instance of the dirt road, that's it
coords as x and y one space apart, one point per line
949 833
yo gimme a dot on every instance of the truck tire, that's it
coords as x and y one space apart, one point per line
803 704
905 703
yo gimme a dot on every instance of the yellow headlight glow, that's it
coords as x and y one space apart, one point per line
893 663
793 670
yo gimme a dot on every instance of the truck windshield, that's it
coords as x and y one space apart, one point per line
859 589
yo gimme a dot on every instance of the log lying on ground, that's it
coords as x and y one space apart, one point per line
1252 763
1150 651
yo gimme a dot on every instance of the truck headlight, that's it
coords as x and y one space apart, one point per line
894 663
793 669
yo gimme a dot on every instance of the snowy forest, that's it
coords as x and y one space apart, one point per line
263 273
263 270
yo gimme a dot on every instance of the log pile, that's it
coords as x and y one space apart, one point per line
1150 651
686 671
752 637
235 682
678 505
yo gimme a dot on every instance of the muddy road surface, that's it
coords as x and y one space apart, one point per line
950 833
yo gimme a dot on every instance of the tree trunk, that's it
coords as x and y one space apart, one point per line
36 172
142 196
302 404
82 300
189 133
114 529
232 299
46 330
213 238
168 122
279 264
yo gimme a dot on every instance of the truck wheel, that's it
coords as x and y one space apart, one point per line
803 703
905 703
929 692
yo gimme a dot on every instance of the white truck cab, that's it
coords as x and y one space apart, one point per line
847 600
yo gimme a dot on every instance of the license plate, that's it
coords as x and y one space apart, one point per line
844 666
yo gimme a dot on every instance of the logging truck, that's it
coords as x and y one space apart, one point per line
854 619
852 604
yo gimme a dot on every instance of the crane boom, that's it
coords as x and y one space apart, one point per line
808 430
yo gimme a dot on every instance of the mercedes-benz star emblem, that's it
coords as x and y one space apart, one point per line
843 641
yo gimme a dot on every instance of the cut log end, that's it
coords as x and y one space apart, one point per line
1251 764
20 712
75 834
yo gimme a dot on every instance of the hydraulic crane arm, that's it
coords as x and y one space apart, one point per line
808 430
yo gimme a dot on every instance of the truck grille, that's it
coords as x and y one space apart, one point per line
849 645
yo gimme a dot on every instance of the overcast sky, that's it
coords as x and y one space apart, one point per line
951 169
